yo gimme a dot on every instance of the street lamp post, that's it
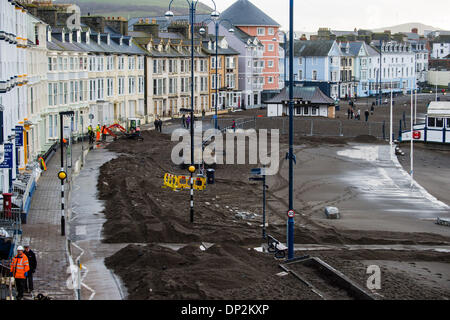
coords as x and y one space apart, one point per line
62 175
412 140
202 32
169 14
290 231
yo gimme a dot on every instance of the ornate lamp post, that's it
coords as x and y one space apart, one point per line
202 32
214 15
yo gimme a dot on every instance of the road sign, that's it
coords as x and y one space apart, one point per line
416 134
291 213
91 116
8 157
19 136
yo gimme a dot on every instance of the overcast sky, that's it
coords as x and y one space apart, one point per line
349 14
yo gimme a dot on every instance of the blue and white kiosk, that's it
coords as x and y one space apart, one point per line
436 128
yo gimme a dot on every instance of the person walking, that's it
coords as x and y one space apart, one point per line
233 126
188 121
348 113
352 112
90 134
366 113
359 114
183 119
33 264
372 108
19 270
156 123
160 125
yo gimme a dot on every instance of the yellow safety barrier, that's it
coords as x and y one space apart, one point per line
199 183
183 182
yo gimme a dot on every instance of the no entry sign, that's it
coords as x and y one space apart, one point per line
291 213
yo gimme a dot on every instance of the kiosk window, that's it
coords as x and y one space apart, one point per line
298 110
305 110
448 122
314 111
431 122
439 122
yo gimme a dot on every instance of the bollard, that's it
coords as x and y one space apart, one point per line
384 129
312 128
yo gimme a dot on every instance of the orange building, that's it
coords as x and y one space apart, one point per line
253 21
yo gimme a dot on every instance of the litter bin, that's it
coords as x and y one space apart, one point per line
210 176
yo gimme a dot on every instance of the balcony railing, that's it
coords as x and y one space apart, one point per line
257 70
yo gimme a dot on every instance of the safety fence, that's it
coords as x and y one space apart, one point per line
176 182
23 189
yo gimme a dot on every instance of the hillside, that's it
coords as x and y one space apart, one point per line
406 27
133 8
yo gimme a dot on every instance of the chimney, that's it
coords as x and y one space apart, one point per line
95 23
119 25
150 28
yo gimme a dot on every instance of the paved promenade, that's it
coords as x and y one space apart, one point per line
43 230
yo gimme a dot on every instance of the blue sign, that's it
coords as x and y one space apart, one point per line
19 136
8 159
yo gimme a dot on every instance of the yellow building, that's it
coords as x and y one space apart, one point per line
229 96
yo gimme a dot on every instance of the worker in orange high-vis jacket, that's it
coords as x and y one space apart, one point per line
19 270
98 131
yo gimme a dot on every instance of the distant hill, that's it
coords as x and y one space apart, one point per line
406 27
133 8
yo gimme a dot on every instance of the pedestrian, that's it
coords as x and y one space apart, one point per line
346 97
233 126
97 131
359 114
372 108
203 114
356 96
104 133
348 113
156 123
160 125
352 112
33 264
90 134
19 270
188 121
183 119
366 113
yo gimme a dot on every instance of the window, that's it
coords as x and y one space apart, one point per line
109 87
141 84
121 63
131 63
300 61
314 75
260 32
172 85
439 122
271 31
300 75
431 122
100 88
270 47
270 64
141 63
121 85
109 63
100 63
92 89
270 79
230 80
131 85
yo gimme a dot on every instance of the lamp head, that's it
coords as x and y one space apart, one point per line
215 15
168 15
231 30
202 31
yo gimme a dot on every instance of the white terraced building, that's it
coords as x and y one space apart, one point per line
13 81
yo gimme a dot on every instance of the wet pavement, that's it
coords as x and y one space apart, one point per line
371 191
86 232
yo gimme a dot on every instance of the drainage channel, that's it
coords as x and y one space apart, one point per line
324 280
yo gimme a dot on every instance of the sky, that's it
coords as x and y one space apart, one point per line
350 14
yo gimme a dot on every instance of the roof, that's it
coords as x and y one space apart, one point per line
312 94
312 48
245 13
439 108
